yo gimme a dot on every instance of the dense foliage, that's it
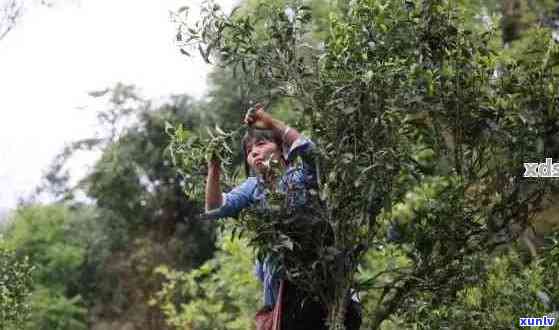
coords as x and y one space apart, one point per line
220 294
15 287
96 263
441 121
52 239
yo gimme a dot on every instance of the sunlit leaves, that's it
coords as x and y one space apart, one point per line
15 287
222 293
49 237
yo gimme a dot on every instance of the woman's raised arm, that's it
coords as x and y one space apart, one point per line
214 198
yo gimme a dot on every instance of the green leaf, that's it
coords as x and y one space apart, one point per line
349 110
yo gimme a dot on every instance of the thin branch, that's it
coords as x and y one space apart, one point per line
11 12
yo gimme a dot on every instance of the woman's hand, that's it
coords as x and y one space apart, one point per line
213 189
258 118
214 164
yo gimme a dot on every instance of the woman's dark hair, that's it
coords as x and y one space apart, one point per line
254 135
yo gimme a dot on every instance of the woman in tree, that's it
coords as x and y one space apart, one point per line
268 141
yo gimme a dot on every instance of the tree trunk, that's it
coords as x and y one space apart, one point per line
511 22
336 314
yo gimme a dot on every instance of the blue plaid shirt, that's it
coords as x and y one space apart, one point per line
297 179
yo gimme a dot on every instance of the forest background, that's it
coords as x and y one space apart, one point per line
424 110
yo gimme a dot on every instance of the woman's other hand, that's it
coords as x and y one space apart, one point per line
256 117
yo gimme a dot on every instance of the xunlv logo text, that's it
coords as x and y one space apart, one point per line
537 321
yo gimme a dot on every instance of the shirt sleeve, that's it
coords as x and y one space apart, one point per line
234 201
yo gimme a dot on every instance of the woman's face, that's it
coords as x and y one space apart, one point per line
259 152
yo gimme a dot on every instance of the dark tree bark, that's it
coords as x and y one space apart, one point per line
512 20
